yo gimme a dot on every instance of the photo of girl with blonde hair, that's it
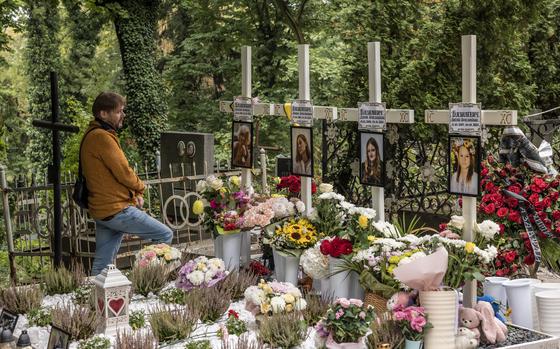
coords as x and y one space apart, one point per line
464 164
242 144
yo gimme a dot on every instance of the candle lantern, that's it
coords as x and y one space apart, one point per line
112 291
7 340
24 342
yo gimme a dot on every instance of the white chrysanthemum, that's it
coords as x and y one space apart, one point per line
347 205
387 229
411 239
325 188
278 304
301 304
332 196
216 263
209 275
457 222
300 206
196 277
214 182
313 215
368 212
201 186
488 229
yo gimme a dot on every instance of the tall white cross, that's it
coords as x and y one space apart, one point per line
258 108
319 112
488 117
398 116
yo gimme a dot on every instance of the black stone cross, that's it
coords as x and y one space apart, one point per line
56 126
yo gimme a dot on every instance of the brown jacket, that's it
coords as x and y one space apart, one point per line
112 184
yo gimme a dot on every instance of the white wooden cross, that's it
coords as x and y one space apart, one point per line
396 116
488 117
319 112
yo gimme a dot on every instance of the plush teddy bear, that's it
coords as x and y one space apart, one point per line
465 339
494 330
470 319
400 298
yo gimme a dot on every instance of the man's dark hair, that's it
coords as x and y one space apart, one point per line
106 101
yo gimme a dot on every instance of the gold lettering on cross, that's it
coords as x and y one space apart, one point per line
429 116
343 114
403 116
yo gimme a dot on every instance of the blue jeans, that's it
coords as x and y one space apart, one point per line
108 234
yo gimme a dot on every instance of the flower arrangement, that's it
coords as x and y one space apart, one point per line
274 297
314 262
160 253
294 236
201 272
259 269
412 322
346 321
234 325
223 203
293 185
272 210
336 247
542 191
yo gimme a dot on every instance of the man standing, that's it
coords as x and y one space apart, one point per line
115 191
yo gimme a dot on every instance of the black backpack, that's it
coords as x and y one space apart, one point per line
80 193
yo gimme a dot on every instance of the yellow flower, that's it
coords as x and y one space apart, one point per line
289 308
235 180
394 259
223 190
469 247
391 268
277 196
289 298
168 256
267 289
198 207
363 221
371 238
265 308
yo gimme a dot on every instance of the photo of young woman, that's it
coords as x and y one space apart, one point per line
371 159
464 164
242 144
302 155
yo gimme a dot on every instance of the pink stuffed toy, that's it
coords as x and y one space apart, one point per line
493 329
470 319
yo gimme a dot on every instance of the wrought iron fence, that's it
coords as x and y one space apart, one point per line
28 212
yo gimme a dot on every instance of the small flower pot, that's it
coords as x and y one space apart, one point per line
331 344
408 344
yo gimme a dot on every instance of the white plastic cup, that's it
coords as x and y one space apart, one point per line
523 311
539 287
340 282
442 310
232 250
548 303
493 287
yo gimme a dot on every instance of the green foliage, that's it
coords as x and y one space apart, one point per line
151 278
21 299
203 344
137 319
95 342
40 317
83 294
234 325
173 295
237 282
316 307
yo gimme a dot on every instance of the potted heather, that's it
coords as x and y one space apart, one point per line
346 323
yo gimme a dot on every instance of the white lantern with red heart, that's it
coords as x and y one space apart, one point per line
112 290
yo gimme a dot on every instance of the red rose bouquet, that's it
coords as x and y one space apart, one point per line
293 185
336 247
542 191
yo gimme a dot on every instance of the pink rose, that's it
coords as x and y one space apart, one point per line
339 314
400 315
345 303
356 302
362 315
418 323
